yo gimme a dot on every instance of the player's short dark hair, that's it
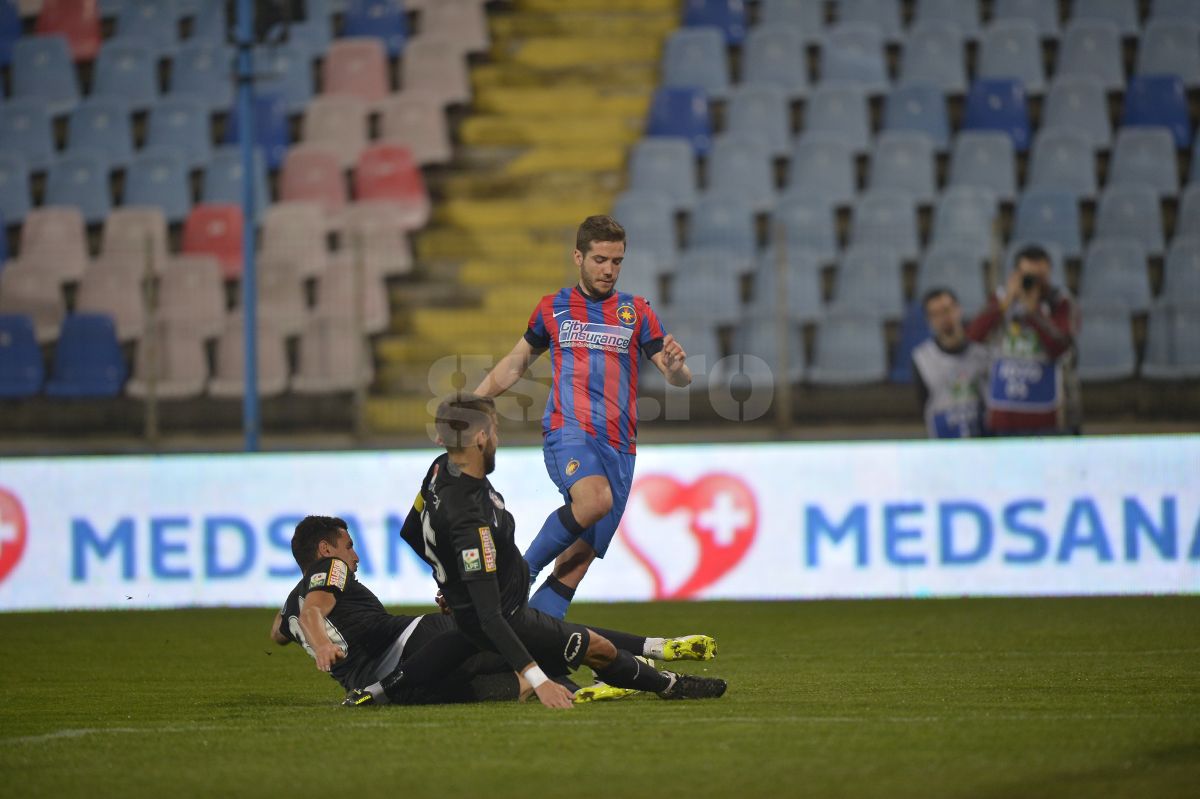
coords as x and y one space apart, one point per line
598 228
935 292
460 416
310 532
1031 252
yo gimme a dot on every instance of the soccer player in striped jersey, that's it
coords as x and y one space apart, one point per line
596 336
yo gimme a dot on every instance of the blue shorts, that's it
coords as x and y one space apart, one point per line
572 454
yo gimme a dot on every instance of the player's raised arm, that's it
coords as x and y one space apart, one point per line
509 370
317 606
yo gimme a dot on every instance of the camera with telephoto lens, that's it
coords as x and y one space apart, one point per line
1030 282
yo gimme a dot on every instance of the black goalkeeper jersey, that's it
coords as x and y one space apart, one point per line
459 526
358 622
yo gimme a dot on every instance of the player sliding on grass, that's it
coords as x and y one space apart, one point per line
595 335
346 630
461 528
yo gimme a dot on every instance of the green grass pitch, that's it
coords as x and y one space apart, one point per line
962 698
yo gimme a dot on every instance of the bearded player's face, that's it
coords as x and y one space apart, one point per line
600 266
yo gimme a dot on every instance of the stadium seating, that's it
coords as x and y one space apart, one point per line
283 70
129 232
774 57
934 55
853 55
883 14
683 113
87 360
336 297
722 224
1170 47
1051 216
1144 156
76 21
667 165
103 127
985 160
1159 100
386 172
229 380
728 16
80 178
1181 273
840 111
1175 10
1062 158
117 293
379 231
191 294
181 123
126 71
333 357
649 222
1114 273
918 108
1131 211
25 130
272 133
281 302
298 230
1187 221
869 282
382 19
42 70
756 350
849 351
435 67
1121 13
805 223
202 70
16 197
33 291
54 239
223 179
21 369
10 30
175 354
739 167
1092 49
823 164
416 121
1172 342
709 291
998 104
1079 103
761 112
964 14
312 174
158 177
1010 48
1105 344
958 268
914 330
216 230
1043 15
888 220
155 22
641 277
696 58
805 17
964 217
802 296
211 24
339 123
462 22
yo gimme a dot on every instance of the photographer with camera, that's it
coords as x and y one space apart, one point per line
1029 327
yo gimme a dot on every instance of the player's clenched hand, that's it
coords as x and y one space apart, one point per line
442 604
327 655
673 352
554 695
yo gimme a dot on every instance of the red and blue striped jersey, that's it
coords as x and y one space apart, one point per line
595 346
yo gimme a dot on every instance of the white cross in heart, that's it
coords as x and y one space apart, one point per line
723 518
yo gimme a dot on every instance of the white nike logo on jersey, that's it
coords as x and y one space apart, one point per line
560 313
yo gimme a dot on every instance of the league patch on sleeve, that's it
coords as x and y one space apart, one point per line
317 580
338 574
489 549
470 560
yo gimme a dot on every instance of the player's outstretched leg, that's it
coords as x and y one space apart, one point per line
691 686
684 647
618 668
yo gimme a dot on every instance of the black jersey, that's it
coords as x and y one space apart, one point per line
358 622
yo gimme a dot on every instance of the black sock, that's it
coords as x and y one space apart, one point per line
626 672
558 587
634 644
566 517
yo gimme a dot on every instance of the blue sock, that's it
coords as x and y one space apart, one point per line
558 532
553 598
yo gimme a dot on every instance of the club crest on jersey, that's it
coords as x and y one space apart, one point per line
496 499
573 333
470 559
572 467
317 580
337 574
627 314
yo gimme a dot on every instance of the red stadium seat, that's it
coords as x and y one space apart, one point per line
76 20
388 172
357 67
311 173
216 230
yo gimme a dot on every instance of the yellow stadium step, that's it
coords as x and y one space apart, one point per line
408 350
448 324
600 25
628 77
554 159
546 185
536 101
585 51
499 131
508 298
520 214
566 6
400 414
484 273
452 243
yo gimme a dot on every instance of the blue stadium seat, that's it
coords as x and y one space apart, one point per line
87 361
681 112
3 229
774 57
1105 343
762 112
849 350
16 196
1079 103
804 17
920 108
649 222
903 161
1011 49
1145 155
1181 273
1050 216
210 24
869 281
665 164
934 54
284 70
984 159
998 104
204 71
852 54
21 369
80 178
1170 47
724 225
10 30
1114 273
758 338
103 126
883 14
964 14
1131 211
1043 15
640 276
957 268
822 165
1175 9
42 70
156 22
1159 100
914 330
964 218
158 178
710 290
383 19
25 130
802 297
272 133
126 70
740 167
223 179
1092 49
181 123
1172 342
696 58
1063 159
315 31
805 222
840 111
729 16
1187 221
886 219
1121 13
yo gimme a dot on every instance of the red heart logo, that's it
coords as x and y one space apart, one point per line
688 536
12 532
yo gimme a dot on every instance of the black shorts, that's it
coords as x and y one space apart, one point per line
558 646
480 677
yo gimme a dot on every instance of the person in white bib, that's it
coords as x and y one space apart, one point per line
950 370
